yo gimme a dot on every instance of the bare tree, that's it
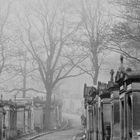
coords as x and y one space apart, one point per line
46 37
4 38
24 73
93 36
125 36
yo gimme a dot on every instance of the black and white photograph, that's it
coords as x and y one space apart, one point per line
69 69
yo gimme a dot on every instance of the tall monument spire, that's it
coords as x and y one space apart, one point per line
112 75
121 68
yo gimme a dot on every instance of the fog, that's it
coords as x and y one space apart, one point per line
50 48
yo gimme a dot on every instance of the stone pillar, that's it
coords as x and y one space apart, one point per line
32 117
90 122
1 123
29 119
24 119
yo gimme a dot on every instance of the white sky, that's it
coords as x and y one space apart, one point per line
75 85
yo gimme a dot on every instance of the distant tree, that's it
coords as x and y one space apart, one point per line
6 42
4 38
92 36
25 73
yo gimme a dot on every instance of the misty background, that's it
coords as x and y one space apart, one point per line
50 48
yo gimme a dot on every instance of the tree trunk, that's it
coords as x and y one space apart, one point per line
48 110
24 80
96 76
96 66
24 86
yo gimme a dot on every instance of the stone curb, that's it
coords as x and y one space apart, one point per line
34 137
23 135
65 127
